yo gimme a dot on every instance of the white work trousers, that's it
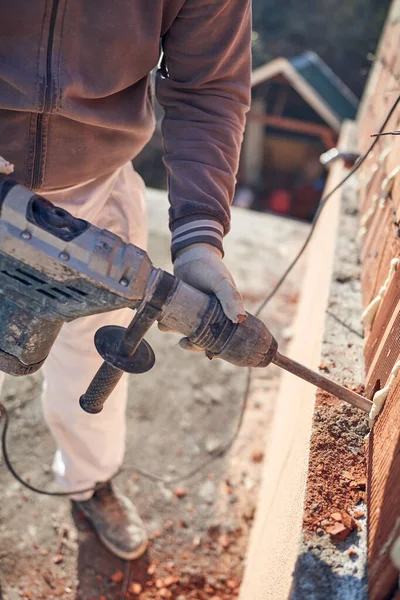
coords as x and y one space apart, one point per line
90 448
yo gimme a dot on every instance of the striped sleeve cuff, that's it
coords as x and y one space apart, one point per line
195 230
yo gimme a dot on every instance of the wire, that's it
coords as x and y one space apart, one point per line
132 467
385 133
222 451
6 418
344 324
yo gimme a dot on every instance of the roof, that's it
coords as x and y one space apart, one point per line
316 83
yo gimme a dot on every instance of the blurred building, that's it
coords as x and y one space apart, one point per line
297 110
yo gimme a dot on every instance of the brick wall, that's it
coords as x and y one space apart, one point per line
380 209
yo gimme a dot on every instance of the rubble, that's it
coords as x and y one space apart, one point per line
339 532
207 491
213 444
224 540
117 577
333 497
257 456
337 460
180 492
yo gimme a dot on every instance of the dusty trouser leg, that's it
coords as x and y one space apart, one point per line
90 448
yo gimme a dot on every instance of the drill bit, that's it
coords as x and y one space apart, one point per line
322 382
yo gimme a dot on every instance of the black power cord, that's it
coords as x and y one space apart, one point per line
6 418
222 451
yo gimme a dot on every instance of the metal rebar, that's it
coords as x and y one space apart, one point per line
322 382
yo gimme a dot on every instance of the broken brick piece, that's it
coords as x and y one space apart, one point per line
358 514
164 593
348 521
170 580
257 456
224 540
135 588
231 584
361 483
57 559
180 492
338 532
336 516
117 577
197 580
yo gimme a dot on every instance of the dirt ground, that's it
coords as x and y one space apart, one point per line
337 468
180 412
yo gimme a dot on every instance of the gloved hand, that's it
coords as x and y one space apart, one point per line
201 266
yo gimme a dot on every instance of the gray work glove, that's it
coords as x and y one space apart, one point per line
201 266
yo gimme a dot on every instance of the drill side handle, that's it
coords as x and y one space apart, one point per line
179 307
100 388
124 349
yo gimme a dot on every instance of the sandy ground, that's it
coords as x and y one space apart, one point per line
185 407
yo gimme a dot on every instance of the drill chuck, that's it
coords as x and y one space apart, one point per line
248 344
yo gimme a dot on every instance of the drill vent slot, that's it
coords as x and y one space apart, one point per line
30 276
16 278
36 286
65 294
40 286
74 289
46 293
53 289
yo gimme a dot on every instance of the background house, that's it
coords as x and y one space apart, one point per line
297 110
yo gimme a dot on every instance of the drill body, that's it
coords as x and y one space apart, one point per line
55 268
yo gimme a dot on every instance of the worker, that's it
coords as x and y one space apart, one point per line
76 107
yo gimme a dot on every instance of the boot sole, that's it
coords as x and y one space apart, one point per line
120 553
110 546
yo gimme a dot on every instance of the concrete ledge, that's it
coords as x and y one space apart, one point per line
275 540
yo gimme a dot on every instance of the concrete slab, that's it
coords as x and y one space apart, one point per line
274 545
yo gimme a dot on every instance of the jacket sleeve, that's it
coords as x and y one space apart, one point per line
204 87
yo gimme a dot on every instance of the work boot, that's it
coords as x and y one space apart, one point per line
116 522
